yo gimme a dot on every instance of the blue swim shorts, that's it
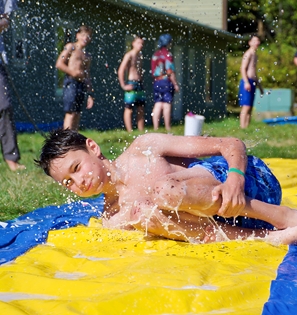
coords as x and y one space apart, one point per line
74 93
136 97
260 184
246 98
163 91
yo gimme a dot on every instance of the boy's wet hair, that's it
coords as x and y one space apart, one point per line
57 143
85 29
137 36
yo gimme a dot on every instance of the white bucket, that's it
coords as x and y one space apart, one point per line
193 125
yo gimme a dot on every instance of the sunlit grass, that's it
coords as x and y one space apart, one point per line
27 190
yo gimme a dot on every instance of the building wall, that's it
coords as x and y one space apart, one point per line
35 76
205 12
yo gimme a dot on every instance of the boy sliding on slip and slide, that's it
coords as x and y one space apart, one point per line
158 185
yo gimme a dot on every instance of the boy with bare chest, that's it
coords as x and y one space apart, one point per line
75 62
160 186
131 81
249 82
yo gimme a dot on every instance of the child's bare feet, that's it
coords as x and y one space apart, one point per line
287 236
14 166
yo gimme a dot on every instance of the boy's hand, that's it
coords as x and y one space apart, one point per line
90 102
128 87
176 88
233 197
247 86
77 74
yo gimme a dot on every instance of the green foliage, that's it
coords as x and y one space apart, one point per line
275 69
275 21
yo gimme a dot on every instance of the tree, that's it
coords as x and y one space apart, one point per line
275 22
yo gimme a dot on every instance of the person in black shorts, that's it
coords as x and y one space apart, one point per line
8 138
75 62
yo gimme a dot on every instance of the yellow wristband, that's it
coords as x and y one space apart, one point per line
236 170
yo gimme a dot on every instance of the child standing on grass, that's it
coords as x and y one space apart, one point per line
75 62
8 138
249 82
165 83
158 185
131 66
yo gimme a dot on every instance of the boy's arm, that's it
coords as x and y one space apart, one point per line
243 70
4 22
90 91
170 70
180 226
62 62
174 81
143 215
232 149
121 73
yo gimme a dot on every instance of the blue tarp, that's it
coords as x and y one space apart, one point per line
19 235
24 232
281 120
283 290
29 127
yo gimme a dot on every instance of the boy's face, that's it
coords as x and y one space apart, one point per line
83 38
254 42
138 44
81 172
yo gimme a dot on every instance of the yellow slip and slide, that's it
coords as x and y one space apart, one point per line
92 270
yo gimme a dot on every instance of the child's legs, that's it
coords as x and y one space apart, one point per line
73 98
167 115
140 117
128 118
191 191
71 120
279 216
222 232
157 112
245 116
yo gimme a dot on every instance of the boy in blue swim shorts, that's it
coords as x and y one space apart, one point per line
260 184
134 96
157 185
249 82
75 62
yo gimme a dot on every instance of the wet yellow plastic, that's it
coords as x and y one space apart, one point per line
92 270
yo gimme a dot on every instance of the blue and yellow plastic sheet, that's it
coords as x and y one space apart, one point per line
92 270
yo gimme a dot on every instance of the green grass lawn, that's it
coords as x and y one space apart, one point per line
24 191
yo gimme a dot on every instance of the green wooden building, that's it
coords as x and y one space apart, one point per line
41 28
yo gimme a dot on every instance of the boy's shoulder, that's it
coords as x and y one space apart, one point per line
247 53
150 140
69 46
129 53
